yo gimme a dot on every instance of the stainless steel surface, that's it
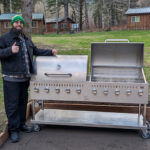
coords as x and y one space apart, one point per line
33 109
117 40
89 118
144 119
117 54
117 76
107 92
61 67
139 113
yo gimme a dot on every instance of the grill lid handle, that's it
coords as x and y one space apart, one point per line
58 75
117 40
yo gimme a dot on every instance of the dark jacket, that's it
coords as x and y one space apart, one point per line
14 64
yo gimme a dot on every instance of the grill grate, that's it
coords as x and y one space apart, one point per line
109 74
97 79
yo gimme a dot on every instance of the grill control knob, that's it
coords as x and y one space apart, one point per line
117 91
57 90
78 90
36 89
106 91
46 89
140 92
94 91
129 92
68 90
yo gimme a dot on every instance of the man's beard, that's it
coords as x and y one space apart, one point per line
18 31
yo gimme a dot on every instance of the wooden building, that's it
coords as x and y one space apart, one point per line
38 24
138 18
51 24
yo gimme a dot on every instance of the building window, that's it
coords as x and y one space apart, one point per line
135 18
34 24
63 26
54 26
7 25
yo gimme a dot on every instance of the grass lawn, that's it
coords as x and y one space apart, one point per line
80 44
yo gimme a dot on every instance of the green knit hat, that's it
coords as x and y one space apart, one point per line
17 18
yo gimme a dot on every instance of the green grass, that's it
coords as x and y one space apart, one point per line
3 118
83 40
80 44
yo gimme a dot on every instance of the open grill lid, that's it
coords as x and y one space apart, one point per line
117 54
117 62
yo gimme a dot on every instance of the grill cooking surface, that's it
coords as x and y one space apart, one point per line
109 74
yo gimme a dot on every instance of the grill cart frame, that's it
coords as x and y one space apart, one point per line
117 76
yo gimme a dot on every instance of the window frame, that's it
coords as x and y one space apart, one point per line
55 26
63 26
7 25
135 19
36 24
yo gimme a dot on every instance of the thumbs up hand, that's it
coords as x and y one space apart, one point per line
54 52
15 48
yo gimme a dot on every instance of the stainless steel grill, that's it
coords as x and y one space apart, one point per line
116 77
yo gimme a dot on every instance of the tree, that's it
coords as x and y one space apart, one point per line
27 9
86 14
81 13
107 13
143 3
51 4
66 2
16 5
35 2
97 14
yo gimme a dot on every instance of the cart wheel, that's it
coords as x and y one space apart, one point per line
148 125
145 134
36 128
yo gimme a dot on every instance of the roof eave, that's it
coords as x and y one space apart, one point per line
137 13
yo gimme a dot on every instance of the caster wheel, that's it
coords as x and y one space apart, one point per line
36 128
145 134
148 125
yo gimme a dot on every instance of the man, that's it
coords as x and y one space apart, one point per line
16 54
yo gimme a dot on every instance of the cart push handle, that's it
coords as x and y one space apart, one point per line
117 40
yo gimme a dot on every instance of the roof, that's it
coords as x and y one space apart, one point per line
50 20
8 16
145 10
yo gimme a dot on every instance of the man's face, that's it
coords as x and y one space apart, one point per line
18 25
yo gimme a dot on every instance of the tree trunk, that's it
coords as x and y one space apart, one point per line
44 5
6 6
27 9
10 5
33 8
81 14
66 14
112 14
57 16
103 23
86 16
